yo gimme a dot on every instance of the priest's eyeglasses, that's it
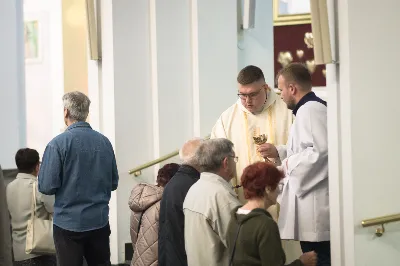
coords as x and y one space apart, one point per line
252 95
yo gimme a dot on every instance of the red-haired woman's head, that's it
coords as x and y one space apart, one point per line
259 177
166 173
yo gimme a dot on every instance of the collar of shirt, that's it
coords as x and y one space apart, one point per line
189 170
309 97
218 179
79 124
25 176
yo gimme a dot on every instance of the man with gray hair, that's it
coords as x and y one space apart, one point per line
80 169
171 242
208 204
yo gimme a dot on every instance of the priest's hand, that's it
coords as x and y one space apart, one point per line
268 150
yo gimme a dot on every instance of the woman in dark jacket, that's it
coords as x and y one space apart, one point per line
253 236
145 205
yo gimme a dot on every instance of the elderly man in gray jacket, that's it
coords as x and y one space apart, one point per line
208 204
5 233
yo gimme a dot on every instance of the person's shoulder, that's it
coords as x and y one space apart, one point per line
178 182
228 112
10 188
312 108
266 223
315 105
59 138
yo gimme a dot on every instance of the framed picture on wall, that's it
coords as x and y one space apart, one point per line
32 39
292 44
291 12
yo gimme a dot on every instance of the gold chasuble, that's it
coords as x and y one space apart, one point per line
240 126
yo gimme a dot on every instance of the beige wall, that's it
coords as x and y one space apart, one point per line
75 46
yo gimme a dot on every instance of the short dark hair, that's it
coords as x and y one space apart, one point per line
249 75
298 73
26 160
166 173
257 177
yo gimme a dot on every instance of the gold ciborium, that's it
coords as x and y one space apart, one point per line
259 140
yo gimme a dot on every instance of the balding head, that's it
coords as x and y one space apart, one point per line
188 150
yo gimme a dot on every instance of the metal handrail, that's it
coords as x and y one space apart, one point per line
381 221
137 171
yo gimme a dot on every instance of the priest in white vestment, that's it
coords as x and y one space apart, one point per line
304 201
258 111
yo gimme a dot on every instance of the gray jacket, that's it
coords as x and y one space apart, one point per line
19 199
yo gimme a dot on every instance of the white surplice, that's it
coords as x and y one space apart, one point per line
240 126
304 201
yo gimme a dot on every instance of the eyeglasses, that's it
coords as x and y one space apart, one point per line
235 158
250 95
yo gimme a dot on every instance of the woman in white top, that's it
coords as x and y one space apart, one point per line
19 200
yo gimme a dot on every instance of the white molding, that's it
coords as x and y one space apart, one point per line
335 176
57 65
195 68
107 103
94 81
343 154
154 82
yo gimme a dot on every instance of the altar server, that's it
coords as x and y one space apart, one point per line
304 213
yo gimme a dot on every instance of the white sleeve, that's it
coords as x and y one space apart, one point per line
282 152
218 131
306 169
47 200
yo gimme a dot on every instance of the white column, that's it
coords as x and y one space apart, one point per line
363 132
12 89
168 71
217 59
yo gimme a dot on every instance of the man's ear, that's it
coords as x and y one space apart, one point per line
225 162
66 113
292 89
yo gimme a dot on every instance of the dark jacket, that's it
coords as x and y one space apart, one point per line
145 202
258 242
171 242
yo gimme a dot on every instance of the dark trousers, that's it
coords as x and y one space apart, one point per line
323 250
38 261
71 247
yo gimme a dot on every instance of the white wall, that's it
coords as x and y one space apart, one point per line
44 84
256 46
162 81
364 130
217 59
12 94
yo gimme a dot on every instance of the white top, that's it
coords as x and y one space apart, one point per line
19 199
304 213
242 211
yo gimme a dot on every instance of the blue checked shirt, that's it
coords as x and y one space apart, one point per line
79 168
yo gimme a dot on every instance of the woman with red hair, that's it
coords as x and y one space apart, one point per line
253 236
